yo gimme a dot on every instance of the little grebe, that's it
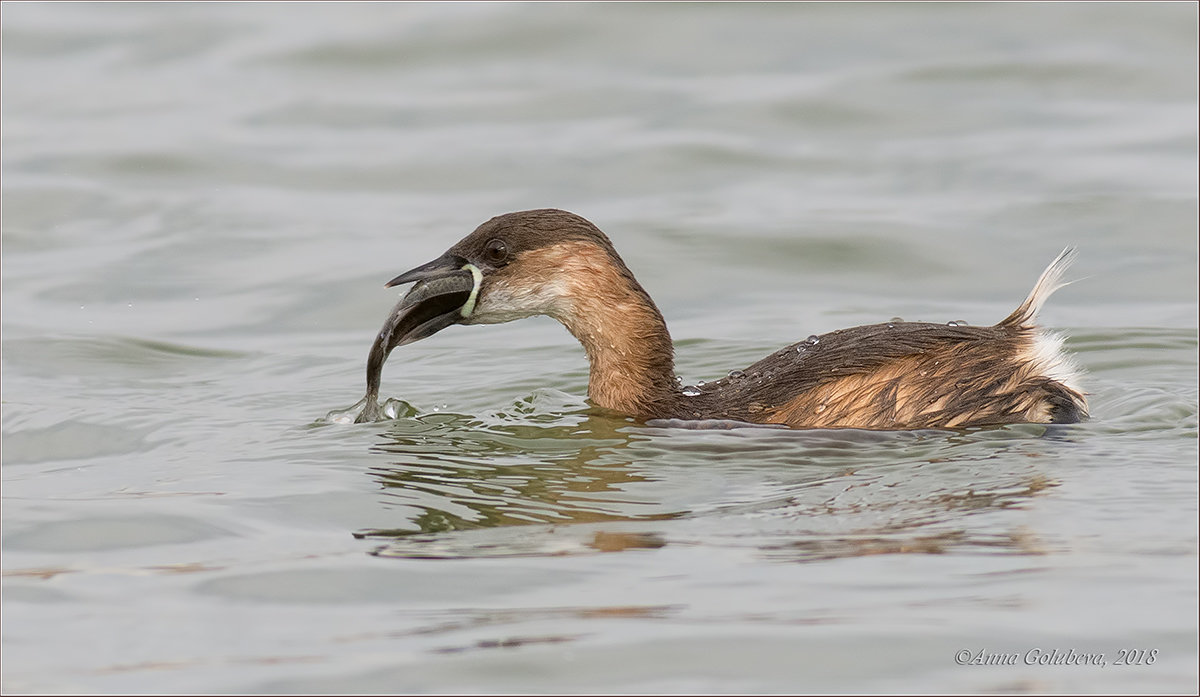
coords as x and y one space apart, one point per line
897 375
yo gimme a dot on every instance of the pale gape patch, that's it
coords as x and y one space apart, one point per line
505 302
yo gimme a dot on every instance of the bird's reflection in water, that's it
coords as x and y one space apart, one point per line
939 524
454 473
591 483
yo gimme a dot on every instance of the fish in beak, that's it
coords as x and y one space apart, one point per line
444 293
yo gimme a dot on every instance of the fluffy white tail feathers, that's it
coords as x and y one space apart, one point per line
1050 281
1044 353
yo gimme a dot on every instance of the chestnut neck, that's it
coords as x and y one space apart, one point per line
632 360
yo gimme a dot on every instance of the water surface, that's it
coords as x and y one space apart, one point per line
201 203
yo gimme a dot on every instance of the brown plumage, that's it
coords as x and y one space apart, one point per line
898 375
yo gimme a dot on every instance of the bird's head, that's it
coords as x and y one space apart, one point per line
515 265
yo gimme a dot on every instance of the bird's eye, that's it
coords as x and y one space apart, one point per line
496 252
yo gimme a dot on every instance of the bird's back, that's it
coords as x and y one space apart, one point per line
906 375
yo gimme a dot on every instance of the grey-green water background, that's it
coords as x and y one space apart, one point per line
201 203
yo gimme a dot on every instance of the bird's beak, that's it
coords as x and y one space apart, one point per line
444 294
